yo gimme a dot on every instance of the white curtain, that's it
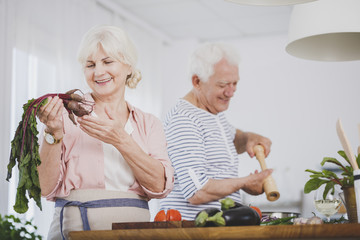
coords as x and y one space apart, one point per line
38 56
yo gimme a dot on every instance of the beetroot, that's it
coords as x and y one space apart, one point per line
25 146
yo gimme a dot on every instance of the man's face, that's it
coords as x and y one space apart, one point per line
215 94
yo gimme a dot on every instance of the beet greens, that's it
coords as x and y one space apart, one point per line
25 146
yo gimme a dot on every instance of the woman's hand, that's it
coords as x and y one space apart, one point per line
254 182
107 130
50 114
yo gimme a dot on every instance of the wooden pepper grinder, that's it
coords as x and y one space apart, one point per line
270 188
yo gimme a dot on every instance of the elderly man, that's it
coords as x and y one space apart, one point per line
202 145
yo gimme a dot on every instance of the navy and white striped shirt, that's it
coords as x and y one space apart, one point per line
200 146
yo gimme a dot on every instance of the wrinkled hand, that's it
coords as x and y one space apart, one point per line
107 130
255 181
50 114
254 139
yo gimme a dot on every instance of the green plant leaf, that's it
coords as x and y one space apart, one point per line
313 184
329 186
21 202
319 175
334 161
12 228
343 154
330 174
311 171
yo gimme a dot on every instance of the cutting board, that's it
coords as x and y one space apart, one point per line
323 231
147 225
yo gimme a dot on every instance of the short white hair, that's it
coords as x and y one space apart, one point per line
204 58
116 43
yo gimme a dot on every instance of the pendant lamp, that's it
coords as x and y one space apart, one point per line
269 2
325 30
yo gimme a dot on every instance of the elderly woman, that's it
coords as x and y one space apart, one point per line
115 159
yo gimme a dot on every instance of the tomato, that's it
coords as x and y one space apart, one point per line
160 216
173 215
170 215
257 210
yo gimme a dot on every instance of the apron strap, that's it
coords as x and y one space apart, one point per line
83 206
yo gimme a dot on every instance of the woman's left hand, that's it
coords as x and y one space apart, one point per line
107 130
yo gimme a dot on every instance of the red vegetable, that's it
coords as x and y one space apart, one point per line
160 216
173 215
170 215
257 210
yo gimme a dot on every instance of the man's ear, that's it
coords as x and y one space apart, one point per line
195 81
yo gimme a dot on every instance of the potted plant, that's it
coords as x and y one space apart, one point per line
12 228
330 179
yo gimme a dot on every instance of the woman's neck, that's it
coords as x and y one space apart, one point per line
116 105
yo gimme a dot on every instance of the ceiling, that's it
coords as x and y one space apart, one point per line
203 19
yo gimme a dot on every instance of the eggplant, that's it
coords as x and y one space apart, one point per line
202 217
228 203
209 211
241 216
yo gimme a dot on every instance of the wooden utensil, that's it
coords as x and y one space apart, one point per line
346 145
358 150
350 154
270 188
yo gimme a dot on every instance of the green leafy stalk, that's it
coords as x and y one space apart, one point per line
25 146
25 150
279 221
329 178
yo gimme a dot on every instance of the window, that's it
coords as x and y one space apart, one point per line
32 76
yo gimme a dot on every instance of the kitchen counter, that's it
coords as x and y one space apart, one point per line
323 231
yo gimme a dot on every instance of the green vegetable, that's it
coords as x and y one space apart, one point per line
229 203
241 216
25 147
279 221
201 219
342 219
329 178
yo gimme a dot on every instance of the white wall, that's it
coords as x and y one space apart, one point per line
294 102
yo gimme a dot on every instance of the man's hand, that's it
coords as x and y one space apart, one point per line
255 181
254 139
246 141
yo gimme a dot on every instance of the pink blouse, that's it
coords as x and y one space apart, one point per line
82 159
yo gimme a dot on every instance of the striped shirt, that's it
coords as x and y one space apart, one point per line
200 146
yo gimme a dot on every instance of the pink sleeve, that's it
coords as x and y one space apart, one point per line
157 149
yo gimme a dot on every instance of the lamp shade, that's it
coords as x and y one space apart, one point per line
325 30
269 2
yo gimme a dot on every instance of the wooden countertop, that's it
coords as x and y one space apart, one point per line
323 231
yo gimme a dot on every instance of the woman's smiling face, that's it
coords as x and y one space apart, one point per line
105 75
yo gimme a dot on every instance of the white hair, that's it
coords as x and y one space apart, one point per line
204 58
116 43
